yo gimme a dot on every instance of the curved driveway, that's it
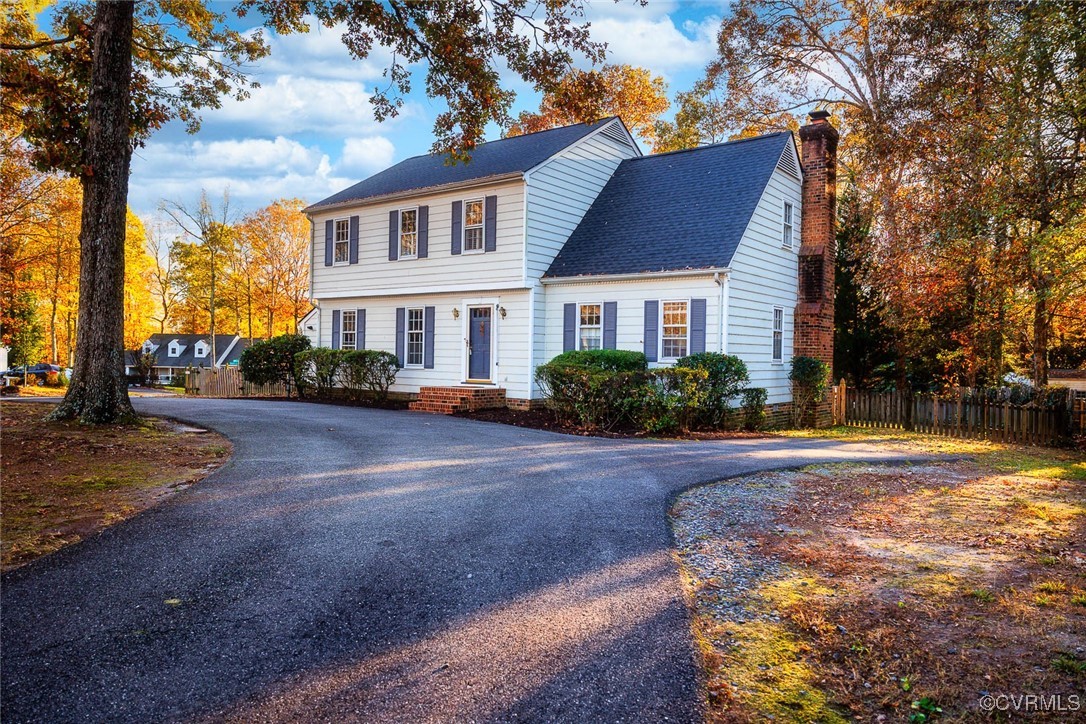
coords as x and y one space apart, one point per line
357 564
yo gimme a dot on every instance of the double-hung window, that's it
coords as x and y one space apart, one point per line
786 238
473 225
590 326
416 328
675 330
348 333
409 233
778 334
343 241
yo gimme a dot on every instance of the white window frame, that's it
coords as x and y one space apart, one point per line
400 232
788 228
343 331
407 333
174 350
777 336
201 350
580 326
663 303
345 241
481 226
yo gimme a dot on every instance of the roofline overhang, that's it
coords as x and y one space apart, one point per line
426 190
637 276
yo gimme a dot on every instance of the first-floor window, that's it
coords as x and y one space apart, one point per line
348 338
409 233
473 225
778 334
415 329
343 241
590 326
674 330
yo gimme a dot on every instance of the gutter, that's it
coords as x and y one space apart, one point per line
637 276
410 193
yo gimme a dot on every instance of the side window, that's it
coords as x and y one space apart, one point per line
416 328
590 327
778 334
348 335
675 330
409 233
473 225
786 238
343 241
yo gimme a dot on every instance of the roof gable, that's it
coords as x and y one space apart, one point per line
673 211
492 159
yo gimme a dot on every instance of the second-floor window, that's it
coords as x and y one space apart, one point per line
343 241
674 332
415 333
348 332
786 239
590 326
473 225
409 233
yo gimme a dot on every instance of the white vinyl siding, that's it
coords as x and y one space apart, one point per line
473 226
348 335
590 326
342 246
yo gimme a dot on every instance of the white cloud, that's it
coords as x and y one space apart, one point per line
365 155
656 43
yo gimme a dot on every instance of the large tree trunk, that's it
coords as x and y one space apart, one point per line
98 392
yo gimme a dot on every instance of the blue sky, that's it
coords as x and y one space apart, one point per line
309 131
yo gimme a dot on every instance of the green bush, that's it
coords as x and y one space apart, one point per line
273 361
726 378
320 367
369 371
608 360
674 399
590 397
754 407
810 379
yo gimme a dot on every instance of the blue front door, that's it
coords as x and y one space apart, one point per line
479 343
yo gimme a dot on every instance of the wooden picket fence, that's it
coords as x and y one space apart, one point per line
227 382
961 415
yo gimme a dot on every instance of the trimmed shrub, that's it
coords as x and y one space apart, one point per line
726 376
273 361
674 399
810 379
320 367
590 397
609 360
369 371
754 399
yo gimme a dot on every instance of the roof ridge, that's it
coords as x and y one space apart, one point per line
522 135
732 142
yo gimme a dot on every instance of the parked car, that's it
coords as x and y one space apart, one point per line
39 371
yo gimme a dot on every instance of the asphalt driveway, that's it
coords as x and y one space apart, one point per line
356 564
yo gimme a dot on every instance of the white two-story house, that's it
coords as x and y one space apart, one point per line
474 274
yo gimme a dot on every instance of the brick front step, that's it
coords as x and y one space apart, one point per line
447 400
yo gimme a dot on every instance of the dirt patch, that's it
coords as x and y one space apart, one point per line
543 419
65 481
896 593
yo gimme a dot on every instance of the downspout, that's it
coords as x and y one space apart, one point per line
722 308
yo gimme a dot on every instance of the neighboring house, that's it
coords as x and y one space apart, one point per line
1074 379
177 352
473 275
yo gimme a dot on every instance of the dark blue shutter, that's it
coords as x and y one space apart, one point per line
360 329
610 325
393 235
354 240
329 242
457 225
428 338
490 223
401 314
697 326
423 227
652 328
569 327
335 329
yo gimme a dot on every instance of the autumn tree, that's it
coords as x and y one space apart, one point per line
279 238
583 96
163 276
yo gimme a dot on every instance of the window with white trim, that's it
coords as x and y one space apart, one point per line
342 241
786 237
409 233
174 349
348 329
473 225
201 349
674 330
590 326
416 328
778 334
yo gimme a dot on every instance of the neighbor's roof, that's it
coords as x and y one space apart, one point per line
188 351
1067 374
491 159
673 211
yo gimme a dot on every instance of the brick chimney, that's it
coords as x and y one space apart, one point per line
818 247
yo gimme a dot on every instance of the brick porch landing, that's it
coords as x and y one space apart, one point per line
447 400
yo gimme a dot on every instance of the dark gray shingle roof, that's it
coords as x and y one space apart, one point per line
494 158
673 211
188 353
